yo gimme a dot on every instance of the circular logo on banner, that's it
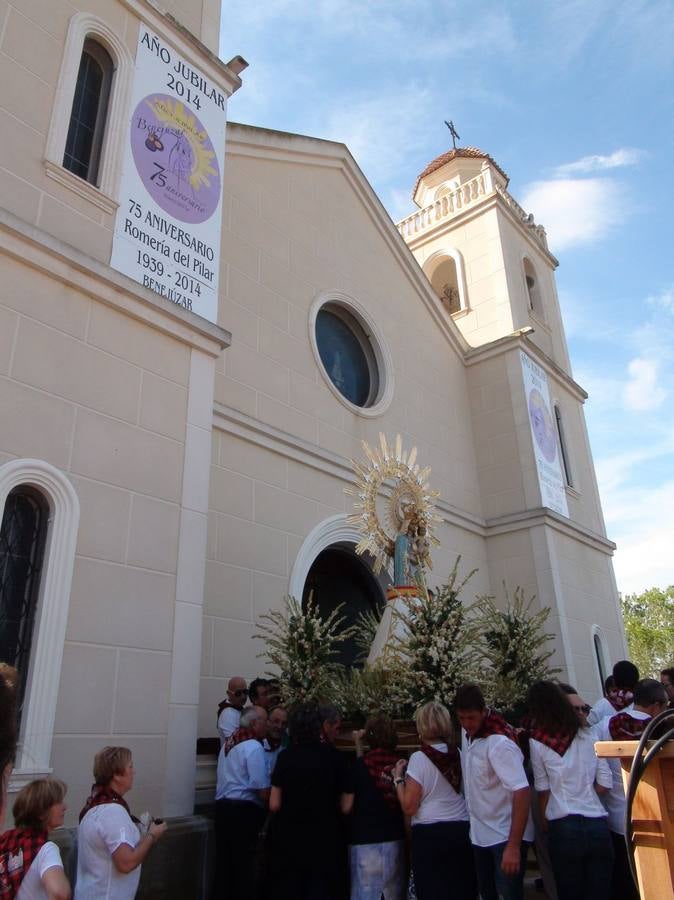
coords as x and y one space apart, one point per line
541 424
175 158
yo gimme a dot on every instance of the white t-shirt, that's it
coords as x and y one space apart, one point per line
614 801
228 722
48 857
570 778
101 832
439 801
242 772
600 710
492 769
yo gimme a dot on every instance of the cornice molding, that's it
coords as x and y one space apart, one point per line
493 200
519 341
248 428
542 515
35 248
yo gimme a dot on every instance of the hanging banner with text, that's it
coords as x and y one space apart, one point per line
544 436
167 232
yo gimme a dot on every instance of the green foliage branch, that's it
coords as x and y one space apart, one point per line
512 642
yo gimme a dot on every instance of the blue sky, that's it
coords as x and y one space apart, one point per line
575 101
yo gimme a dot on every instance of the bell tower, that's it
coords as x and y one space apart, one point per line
486 258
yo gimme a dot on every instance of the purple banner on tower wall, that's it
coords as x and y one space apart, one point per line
167 231
544 436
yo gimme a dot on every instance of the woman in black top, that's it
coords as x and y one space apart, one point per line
376 826
309 785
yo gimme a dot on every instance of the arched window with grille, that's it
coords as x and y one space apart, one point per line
89 112
22 541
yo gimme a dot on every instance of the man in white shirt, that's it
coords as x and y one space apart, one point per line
277 726
625 677
241 799
229 711
497 795
650 698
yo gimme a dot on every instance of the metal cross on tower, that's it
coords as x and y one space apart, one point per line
452 130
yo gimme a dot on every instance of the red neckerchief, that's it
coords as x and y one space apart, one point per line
494 723
379 763
448 764
18 849
239 736
104 794
624 727
556 741
619 699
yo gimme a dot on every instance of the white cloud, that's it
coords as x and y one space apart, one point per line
643 391
381 131
636 513
663 300
644 537
613 471
626 156
574 210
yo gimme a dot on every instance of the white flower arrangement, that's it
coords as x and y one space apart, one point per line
512 643
441 645
301 646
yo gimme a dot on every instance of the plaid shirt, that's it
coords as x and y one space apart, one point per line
556 741
103 794
494 723
379 763
18 849
625 728
448 764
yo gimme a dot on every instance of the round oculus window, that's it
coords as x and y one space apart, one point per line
347 355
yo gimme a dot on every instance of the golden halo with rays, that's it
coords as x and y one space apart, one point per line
410 492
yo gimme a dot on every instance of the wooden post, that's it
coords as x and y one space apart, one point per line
652 817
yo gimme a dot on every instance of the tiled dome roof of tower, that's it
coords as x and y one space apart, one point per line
459 152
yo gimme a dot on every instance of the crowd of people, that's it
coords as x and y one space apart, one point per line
297 818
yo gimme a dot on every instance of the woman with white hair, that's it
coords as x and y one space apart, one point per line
429 790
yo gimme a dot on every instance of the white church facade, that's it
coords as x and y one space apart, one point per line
166 477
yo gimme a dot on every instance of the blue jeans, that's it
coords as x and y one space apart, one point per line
378 870
581 852
492 880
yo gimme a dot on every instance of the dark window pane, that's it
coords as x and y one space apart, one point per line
85 131
343 355
22 534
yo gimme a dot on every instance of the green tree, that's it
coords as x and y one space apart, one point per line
649 626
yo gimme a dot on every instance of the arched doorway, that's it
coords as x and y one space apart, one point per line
339 575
